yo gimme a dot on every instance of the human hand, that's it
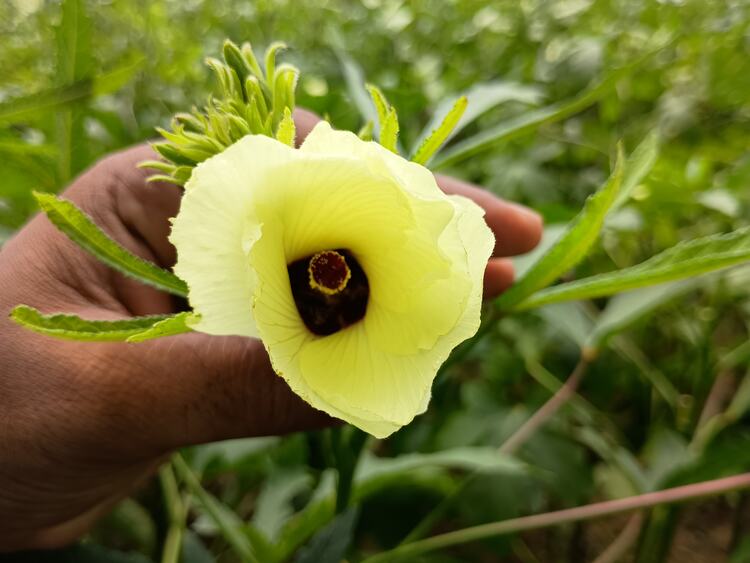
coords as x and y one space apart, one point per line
82 424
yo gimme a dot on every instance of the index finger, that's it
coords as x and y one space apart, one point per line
517 229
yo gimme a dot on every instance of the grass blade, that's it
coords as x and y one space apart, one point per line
84 232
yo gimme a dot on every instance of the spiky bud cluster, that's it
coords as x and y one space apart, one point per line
251 100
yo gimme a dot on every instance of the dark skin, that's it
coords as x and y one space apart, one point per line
83 424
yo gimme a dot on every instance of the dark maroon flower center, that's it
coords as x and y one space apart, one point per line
330 290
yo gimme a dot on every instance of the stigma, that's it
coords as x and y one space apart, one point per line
328 272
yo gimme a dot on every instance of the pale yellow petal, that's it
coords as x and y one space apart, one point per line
215 229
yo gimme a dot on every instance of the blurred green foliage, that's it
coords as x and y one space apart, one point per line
85 77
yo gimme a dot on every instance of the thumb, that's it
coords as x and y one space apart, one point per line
195 388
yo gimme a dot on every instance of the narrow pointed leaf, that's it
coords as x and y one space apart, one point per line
379 102
170 326
685 260
83 231
389 131
441 133
572 246
72 327
639 164
481 97
286 131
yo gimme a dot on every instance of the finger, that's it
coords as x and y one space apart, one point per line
517 229
304 121
498 276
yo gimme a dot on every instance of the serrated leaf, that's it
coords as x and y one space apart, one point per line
286 130
572 246
387 119
380 103
73 327
481 98
389 131
171 326
84 232
530 121
685 260
441 133
331 543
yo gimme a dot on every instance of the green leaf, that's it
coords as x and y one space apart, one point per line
685 260
482 459
626 308
84 232
171 326
72 327
481 98
387 119
193 550
572 245
286 131
33 105
274 504
639 164
440 134
331 543
225 519
74 63
389 131
528 122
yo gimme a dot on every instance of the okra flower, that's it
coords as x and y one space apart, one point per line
357 273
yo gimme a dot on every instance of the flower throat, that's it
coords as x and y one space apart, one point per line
330 290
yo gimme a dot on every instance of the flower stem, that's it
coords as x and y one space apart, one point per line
176 511
568 389
581 513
